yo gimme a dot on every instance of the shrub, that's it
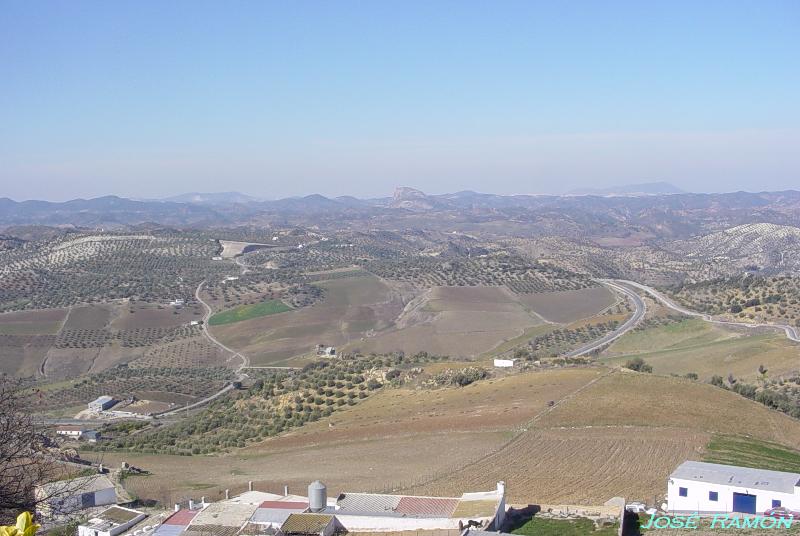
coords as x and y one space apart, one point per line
639 365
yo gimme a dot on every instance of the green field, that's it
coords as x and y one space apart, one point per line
749 452
246 312
685 334
563 527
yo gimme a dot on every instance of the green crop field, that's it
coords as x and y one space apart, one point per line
749 452
246 312
563 527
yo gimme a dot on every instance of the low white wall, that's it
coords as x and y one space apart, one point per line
390 524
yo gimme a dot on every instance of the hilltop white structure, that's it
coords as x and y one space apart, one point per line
699 487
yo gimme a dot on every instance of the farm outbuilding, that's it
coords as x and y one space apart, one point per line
713 488
68 496
102 403
504 363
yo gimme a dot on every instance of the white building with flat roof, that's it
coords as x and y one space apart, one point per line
700 487
111 522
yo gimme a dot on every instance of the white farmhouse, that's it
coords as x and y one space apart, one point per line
699 487
65 497
70 430
504 363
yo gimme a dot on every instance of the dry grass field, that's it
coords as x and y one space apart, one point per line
26 337
456 321
696 346
622 435
579 465
393 438
609 433
569 305
351 308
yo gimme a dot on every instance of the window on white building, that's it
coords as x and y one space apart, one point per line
713 496
776 503
683 492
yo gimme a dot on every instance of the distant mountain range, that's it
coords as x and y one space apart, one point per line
633 190
214 198
647 216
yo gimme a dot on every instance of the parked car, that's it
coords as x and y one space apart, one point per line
782 512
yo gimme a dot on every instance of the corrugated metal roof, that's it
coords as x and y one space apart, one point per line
169 530
426 506
272 515
366 503
306 523
731 475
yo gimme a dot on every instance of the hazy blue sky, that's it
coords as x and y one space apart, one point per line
286 98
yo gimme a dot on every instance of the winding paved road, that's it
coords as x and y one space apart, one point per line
206 317
791 332
239 374
638 314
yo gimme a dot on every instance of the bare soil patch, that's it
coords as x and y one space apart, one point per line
90 316
155 316
351 308
569 305
456 321
580 465
22 355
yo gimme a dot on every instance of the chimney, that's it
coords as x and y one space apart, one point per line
227 494
191 504
501 488
177 507
202 501
285 491
250 486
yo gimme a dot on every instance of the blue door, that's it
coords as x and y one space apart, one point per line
744 503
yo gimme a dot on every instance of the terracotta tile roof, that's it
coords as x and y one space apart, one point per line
181 517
